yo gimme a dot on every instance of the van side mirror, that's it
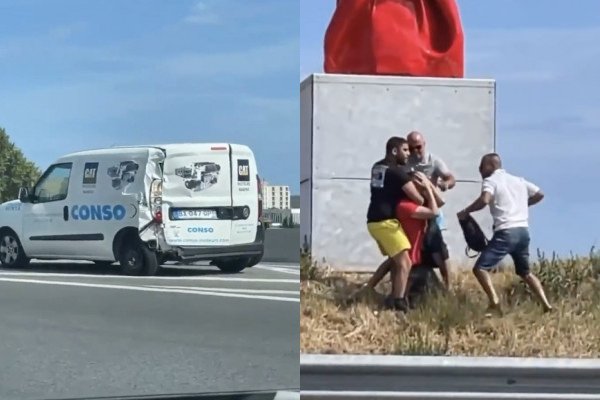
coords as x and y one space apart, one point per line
24 195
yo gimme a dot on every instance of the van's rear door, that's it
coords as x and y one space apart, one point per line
197 195
245 195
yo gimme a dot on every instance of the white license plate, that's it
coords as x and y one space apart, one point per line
195 214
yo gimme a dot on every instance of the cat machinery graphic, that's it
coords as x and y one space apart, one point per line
123 174
200 175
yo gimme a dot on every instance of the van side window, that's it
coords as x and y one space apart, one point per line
54 184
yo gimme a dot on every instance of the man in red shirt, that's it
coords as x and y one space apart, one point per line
413 219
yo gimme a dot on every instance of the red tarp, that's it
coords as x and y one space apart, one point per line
395 37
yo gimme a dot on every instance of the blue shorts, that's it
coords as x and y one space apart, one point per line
433 242
441 221
513 242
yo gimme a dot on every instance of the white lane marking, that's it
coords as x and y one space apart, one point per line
171 264
288 266
148 289
166 278
278 269
211 289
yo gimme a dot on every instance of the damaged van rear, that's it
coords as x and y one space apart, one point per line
141 206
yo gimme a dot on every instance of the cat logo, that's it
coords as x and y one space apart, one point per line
89 173
243 170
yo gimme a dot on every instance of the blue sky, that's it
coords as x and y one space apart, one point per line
545 58
85 74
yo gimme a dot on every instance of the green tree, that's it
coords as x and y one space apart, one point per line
15 169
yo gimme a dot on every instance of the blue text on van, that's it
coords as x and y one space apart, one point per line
98 212
200 229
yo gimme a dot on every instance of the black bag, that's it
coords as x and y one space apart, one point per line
474 236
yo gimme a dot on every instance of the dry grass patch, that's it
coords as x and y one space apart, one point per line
455 323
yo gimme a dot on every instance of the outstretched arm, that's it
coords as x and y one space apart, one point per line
411 191
483 200
447 177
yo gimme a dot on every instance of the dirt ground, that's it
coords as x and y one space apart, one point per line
455 323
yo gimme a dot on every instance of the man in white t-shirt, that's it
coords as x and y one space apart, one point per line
509 198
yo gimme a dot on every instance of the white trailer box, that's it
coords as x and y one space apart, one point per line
345 123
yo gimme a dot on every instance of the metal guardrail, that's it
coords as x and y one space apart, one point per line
336 377
253 395
282 245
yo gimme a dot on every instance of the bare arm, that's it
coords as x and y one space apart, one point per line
423 212
411 191
430 196
536 198
438 196
431 210
535 195
483 200
447 177
445 275
448 181
422 182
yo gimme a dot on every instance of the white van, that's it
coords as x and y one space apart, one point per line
141 206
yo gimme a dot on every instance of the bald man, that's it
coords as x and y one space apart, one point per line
509 198
442 178
429 164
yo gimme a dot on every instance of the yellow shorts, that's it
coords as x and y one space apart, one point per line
390 236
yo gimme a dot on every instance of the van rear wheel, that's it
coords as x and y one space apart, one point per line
232 266
254 260
12 254
137 259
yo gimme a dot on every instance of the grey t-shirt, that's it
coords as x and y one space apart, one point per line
431 165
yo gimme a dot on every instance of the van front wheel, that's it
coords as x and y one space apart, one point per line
137 259
12 254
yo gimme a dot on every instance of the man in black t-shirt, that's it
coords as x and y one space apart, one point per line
390 183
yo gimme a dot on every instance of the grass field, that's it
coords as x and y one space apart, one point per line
455 323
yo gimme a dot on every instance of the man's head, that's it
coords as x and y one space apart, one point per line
396 148
416 144
489 164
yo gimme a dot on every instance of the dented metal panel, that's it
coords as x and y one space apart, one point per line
196 182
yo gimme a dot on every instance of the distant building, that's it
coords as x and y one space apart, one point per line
276 196
296 216
280 207
276 217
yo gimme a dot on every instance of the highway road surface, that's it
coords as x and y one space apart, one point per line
73 329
